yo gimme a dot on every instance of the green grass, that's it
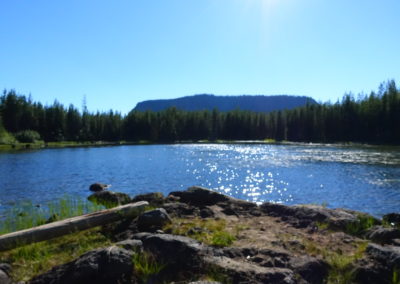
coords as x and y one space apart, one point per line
34 259
145 267
26 215
209 231
340 263
395 276
363 223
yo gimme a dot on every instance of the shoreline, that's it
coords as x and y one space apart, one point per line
72 144
201 235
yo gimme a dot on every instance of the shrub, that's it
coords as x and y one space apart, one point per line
27 136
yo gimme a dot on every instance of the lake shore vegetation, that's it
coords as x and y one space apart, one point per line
372 119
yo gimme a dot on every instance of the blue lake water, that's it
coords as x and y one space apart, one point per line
360 178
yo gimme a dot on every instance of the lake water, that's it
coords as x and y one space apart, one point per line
360 178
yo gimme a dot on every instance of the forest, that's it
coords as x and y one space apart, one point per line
368 118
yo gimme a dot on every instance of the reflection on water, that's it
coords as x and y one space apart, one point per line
361 178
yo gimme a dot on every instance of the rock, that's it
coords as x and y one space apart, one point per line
175 249
206 213
121 230
312 270
109 198
371 272
4 278
305 215
387 255
5 270
261 257
382 235
392 218
245 272
154 198
95 187
205 282
199 196
181 210
182 255
107 265
133 245
153 220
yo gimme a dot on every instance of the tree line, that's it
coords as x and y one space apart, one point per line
372 118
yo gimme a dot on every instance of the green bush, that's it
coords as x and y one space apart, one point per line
5 137
27 136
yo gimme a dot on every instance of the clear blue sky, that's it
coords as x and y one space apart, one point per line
118 53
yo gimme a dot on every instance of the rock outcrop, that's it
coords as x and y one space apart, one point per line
274 243
109 198
5 270
107 265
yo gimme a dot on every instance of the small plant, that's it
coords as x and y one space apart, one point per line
222 239
340 268
145 266
341 265
208 231
322 225
363 223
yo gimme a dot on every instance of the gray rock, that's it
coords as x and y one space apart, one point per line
5 270
387 255
199 196
305 215
393 218
371 272
153 220
95 187
245 272
108 265
173 248
4 278
181 210
382 235
312 270
109 198
205 282
133 245
183 256
154 198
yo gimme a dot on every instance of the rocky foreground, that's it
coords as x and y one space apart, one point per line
270 243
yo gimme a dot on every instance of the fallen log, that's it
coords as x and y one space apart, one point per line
70 225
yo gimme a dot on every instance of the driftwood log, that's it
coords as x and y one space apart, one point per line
70 225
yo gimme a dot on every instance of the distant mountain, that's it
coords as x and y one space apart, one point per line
258 103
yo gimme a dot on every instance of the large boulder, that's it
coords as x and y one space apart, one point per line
312 270
153 220
388 255
199 196
305 215
378 266
246 272
5 270
153 198
382 235
107 265
182 256
109 198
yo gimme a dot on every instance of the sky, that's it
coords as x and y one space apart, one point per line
118 53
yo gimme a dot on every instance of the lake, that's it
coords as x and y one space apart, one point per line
362 178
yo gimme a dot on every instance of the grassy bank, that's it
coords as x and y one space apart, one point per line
26 215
